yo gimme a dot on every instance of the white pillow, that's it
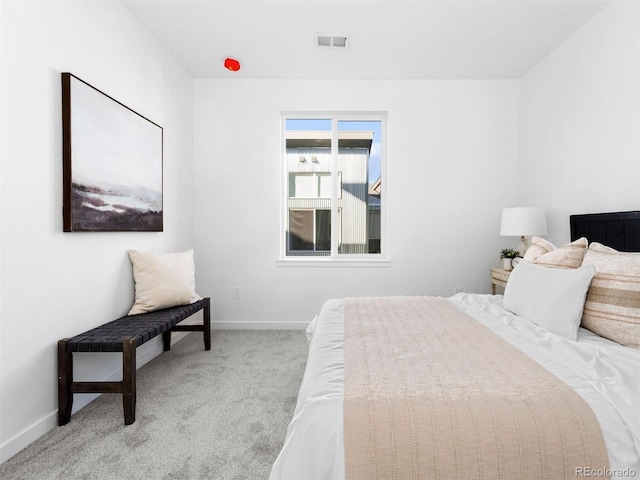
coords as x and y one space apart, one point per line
550 297
162 280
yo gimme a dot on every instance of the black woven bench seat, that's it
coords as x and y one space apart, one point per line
123 335
110 336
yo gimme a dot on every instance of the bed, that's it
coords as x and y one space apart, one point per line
440 425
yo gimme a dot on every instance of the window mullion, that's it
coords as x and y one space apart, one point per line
334 189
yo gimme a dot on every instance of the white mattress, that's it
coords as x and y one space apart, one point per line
605 374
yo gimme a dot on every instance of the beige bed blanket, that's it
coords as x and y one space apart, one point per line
429 392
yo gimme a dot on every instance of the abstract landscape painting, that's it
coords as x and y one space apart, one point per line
112 163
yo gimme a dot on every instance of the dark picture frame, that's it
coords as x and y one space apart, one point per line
112 163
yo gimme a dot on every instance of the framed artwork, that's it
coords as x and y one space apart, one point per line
112 163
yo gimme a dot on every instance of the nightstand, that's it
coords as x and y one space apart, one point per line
499 276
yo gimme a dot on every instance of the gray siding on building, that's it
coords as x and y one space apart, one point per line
352 201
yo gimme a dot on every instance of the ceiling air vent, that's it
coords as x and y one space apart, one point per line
330 40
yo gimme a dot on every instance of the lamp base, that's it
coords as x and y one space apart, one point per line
524 245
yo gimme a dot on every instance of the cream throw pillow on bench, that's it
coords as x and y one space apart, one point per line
162 280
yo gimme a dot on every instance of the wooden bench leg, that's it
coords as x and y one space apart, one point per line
206 319
65 379
166 340
129 380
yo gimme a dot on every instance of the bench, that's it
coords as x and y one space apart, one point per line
123 335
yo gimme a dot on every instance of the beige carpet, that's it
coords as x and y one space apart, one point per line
220 414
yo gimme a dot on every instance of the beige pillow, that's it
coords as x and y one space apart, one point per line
539 246
612 309
162 280
547 254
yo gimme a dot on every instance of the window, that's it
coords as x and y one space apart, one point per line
311 185
309 231
333 170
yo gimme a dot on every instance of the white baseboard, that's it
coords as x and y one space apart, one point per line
28 436
249 325
144 354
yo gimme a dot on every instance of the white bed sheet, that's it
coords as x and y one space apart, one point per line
605 374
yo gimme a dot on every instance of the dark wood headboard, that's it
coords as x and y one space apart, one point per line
620 230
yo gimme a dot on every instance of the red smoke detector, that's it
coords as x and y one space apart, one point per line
231 64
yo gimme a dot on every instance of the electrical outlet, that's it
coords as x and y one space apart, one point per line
235 293
458 290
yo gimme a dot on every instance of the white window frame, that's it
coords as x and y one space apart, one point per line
334 259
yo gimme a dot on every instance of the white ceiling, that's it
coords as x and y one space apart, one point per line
388 39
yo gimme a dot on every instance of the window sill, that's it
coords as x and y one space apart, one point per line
333 262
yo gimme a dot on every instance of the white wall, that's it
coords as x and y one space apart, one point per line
453 150
452 166
57 284
1 335
580 122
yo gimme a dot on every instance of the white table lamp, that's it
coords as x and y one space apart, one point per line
523 222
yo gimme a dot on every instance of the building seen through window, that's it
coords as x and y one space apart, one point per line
334 192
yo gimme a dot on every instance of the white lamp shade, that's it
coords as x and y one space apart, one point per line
523 221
